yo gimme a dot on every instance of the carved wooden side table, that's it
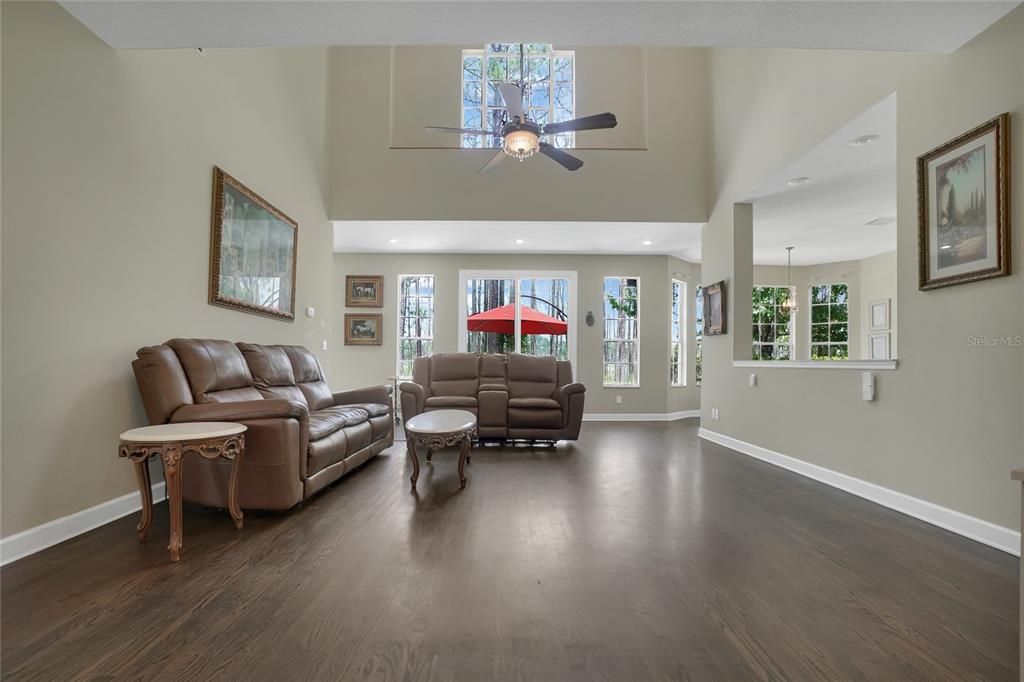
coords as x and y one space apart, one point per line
171 442
440 429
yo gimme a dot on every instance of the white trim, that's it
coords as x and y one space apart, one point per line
876 365
20 545
516 276
640 416
979 530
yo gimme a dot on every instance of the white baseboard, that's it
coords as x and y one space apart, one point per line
36 539
639 416
987 533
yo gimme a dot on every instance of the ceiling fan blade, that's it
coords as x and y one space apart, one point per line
493 163
595 122
567 160
513 96
463 131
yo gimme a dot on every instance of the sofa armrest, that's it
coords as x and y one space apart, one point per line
413 397
243 409
571 397
371 394
562 393
493 387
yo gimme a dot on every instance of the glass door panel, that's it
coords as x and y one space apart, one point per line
490 315
545 316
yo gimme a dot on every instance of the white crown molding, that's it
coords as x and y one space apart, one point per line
20 545
976 529
640 416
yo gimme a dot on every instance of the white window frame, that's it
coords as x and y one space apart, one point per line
639 299
516 276
810 324
398 320
792 322
551 54
681 328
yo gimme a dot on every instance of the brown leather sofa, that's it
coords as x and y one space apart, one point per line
301 437
515 397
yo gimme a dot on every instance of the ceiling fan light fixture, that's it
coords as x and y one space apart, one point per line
521 144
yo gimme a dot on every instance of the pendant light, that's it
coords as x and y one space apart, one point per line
789 305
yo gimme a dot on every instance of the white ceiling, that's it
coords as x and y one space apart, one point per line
475 236
825 219
921 25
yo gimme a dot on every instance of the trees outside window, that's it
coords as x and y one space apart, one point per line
621 331
773 324
830 322
549 76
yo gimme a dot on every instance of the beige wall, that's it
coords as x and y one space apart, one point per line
946 426
370 111
107 168
362 365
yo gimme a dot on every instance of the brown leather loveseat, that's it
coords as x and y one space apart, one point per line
513 396
301 437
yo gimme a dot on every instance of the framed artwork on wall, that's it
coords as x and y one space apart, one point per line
963 207
364 291
879 315
714 309
879 346
253 248
364 329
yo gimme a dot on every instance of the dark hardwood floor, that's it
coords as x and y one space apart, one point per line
640 553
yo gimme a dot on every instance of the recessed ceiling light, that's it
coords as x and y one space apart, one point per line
647 242
520 241
863 140
946 246
802 180
393 240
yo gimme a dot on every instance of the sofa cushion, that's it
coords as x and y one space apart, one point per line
535 403
454 374
338 446
272 372
212 366
531 377
309 377
534 418
450 401
324 422
372 409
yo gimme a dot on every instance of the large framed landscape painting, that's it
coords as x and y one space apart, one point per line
963 205
252 252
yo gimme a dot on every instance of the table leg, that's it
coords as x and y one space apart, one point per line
146 492
411 447
463 457
172 473
233 508
430 453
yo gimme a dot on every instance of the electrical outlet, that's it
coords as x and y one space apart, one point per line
618 400
323 345
714 413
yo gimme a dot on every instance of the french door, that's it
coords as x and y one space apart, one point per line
529 312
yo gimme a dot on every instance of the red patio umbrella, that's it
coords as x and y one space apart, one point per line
502 321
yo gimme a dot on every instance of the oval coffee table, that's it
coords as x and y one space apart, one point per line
171 442
440 429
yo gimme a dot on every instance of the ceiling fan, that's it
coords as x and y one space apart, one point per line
521 137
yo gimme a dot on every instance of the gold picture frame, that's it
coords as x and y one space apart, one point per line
364 329
253 249
364 291
963 207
